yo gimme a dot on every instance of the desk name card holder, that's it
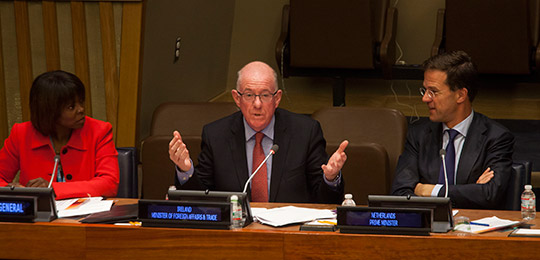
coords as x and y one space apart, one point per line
392 221
442 208
18 208
28 204
215 196
185 214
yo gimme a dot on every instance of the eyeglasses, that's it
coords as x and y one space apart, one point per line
430 93
250 97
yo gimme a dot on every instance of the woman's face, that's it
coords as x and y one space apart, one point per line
72 115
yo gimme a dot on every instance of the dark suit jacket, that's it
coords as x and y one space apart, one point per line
488 144
296 167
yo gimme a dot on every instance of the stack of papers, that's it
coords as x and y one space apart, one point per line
290 215
82 206
490 224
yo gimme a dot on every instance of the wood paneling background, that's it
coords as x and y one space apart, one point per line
99 41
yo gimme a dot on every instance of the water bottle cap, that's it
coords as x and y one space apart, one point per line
528 187
348 196
234 197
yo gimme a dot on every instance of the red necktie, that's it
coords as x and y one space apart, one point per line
259 184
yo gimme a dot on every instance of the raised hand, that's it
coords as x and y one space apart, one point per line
178 152
335 163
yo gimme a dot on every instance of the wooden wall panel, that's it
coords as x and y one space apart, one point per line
50 27
37 38
130 74
65 36
109 62
80 50
11 67
95 59
107 43
4 129
24 54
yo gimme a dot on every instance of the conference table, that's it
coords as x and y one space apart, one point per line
70 239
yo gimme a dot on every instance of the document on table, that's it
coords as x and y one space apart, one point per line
82 206
525 232
290 214
490 224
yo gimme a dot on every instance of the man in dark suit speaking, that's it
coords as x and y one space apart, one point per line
233 147
477 150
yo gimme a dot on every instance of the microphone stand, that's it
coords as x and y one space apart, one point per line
443 154
56 160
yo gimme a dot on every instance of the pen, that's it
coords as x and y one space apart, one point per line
479 224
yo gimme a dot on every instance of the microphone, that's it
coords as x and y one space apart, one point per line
56 161
273 150
442 152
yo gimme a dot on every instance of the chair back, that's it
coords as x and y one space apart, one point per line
498 34
521 176
384 126
366 170
337 38
128 186
331 34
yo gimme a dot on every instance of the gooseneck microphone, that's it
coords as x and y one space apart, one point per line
273 150
442 152
56 161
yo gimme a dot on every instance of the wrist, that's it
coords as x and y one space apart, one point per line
335 178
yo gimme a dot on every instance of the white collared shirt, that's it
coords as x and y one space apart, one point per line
462 128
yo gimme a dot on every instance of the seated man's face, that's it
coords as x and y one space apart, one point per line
258 99
440 99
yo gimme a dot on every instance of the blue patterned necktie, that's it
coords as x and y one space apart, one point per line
450 159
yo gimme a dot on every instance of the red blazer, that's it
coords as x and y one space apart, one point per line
89 160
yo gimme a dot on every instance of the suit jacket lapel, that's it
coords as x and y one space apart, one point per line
237 145
471 149
433 151
282 139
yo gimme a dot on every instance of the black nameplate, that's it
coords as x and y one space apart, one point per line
18 208
375 220
46 204
214 196
442 208
185 214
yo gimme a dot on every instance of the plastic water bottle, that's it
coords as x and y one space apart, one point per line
236 213
528 203
348 201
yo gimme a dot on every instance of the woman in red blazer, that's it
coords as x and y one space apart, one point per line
58 126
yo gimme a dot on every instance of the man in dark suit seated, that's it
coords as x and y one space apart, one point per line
478 160
234 146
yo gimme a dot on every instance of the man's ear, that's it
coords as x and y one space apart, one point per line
463 95
236 97
277 98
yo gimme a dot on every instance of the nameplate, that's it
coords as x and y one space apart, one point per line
185 214
18 208
376 220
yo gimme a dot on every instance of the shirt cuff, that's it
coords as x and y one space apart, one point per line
436 189
335 183
182 176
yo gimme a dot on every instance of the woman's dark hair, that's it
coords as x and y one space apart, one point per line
459 68
51 92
